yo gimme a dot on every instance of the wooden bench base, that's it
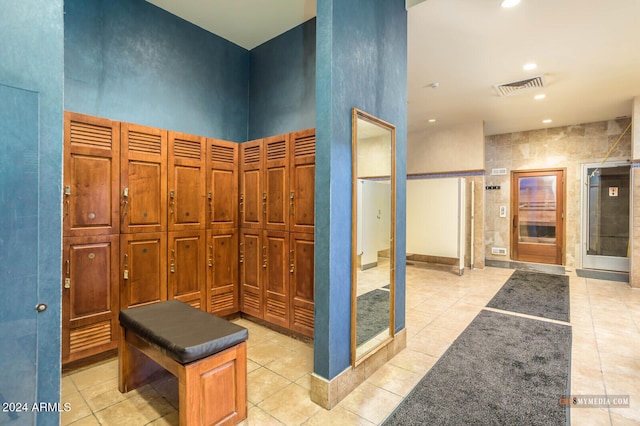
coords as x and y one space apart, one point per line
212 391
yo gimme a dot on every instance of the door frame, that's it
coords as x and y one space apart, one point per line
609 263
561 203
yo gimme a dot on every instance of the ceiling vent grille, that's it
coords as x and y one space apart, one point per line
515 87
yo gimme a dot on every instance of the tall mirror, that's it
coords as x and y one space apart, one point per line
373 234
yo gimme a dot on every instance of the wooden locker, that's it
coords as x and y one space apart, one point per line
222 184
91 177
186 262
143 268
276 183
276 266
302 279
143 181
302 172
251 264
251 185
89 296
222 271
186 182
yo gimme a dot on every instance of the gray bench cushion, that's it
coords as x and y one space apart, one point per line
180 331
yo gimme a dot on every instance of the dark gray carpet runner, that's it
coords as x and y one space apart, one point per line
502 370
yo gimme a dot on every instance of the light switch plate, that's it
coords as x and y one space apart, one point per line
503 211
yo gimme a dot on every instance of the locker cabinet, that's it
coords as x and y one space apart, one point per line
301 281
275 276
251 185
276 183
186 263
89 296
186 182
143 179
302 172
250 283
222 184
143 264
222 271
91 176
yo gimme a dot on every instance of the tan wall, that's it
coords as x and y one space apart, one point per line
450 149
561 147
455 149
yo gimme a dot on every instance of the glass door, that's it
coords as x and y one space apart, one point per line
605 216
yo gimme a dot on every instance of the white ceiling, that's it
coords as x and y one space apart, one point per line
588 52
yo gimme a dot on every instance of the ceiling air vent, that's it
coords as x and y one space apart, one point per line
515 87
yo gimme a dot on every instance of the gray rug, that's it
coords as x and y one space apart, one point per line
502 370
534 293
372 315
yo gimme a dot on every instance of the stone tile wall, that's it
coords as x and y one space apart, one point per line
560 147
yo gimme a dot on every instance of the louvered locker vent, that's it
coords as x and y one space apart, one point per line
186 149
145 143
90 135
305 146
251 154
222 154
276 150
87 337
222 302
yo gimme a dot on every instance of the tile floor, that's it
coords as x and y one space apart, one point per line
440 304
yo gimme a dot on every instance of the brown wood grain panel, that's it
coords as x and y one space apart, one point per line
143 264
222 183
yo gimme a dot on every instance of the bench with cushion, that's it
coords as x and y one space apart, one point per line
206 353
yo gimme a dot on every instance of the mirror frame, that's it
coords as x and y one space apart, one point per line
355 116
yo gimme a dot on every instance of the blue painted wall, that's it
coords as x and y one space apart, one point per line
283 83
31 91
361 61
129 60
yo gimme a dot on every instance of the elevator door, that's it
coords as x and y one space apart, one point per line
605 216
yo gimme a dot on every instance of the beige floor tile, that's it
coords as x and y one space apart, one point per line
264 352
590 417
86 421
67 387
291 405
79 409
395 379
123 413
292 365
371 402
337 417
103 395
257 417
168 388
262 383
624 417
414 361
100 373
171 419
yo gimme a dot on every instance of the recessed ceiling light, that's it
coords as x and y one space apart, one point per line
530 66
432 120
547 121
509 3
539 96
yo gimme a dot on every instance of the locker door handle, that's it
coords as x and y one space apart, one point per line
241 205
172 267
241 253
125 272
264 257
210 196
210 256
172 203
291 204
67 280
291 264
264 203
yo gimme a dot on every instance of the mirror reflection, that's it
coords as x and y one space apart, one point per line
373 224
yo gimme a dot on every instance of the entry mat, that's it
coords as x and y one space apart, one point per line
534 293
502 369
372 315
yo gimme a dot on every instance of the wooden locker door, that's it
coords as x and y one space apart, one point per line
302 279
187 181
302 172
222 184
276 266
143 268
251 186
143 181
222 271
251 261
276 183
186 258
91 177
89 296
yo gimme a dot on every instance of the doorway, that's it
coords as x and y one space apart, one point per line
537 206
605 216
